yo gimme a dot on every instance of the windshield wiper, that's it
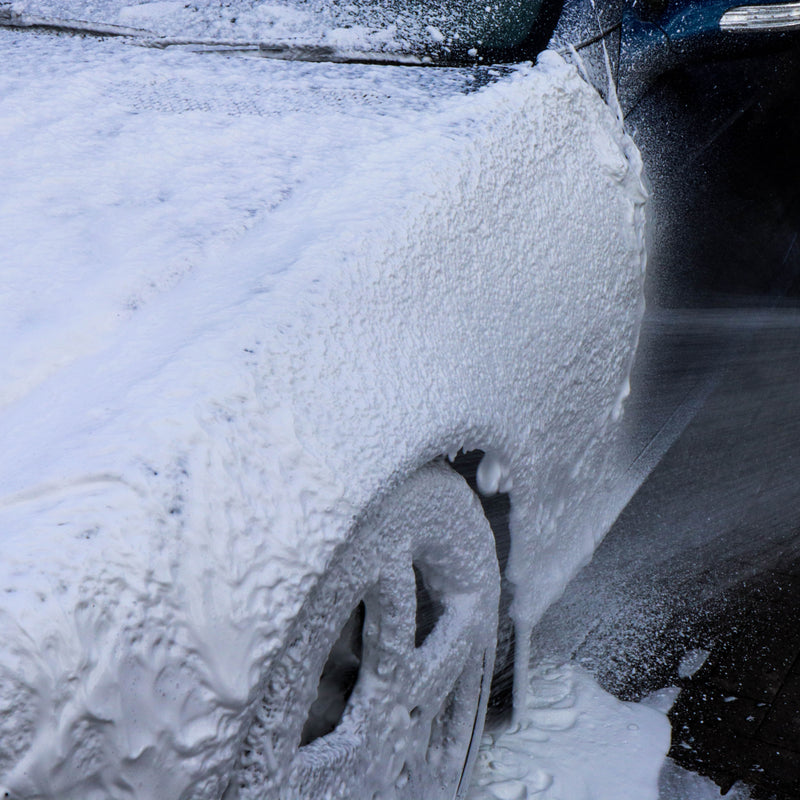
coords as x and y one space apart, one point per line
290 51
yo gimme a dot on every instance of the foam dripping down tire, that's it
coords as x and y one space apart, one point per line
382 688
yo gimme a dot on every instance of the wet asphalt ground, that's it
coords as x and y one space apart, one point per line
706 556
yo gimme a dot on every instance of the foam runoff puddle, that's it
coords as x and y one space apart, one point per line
677 783
574 741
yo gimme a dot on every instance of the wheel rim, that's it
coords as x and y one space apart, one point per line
416 707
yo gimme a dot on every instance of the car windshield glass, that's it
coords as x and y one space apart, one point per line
416 30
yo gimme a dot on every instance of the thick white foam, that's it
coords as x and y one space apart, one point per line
242 301
574 740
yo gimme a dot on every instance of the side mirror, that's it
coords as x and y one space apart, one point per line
693 31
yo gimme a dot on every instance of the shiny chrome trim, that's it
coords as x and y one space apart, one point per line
777 17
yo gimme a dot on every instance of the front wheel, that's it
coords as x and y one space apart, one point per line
382 686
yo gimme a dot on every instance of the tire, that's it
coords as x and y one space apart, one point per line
396 642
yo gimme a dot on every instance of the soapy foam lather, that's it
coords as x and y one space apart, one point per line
244 302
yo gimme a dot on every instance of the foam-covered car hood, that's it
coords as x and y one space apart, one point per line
241 299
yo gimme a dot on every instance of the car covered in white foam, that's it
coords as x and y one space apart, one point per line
252 307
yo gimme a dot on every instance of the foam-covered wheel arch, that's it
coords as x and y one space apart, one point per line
497 509
411 722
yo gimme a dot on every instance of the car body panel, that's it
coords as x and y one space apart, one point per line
299 283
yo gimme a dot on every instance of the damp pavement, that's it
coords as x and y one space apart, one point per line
704 562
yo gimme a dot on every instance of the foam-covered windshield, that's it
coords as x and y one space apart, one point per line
427 29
